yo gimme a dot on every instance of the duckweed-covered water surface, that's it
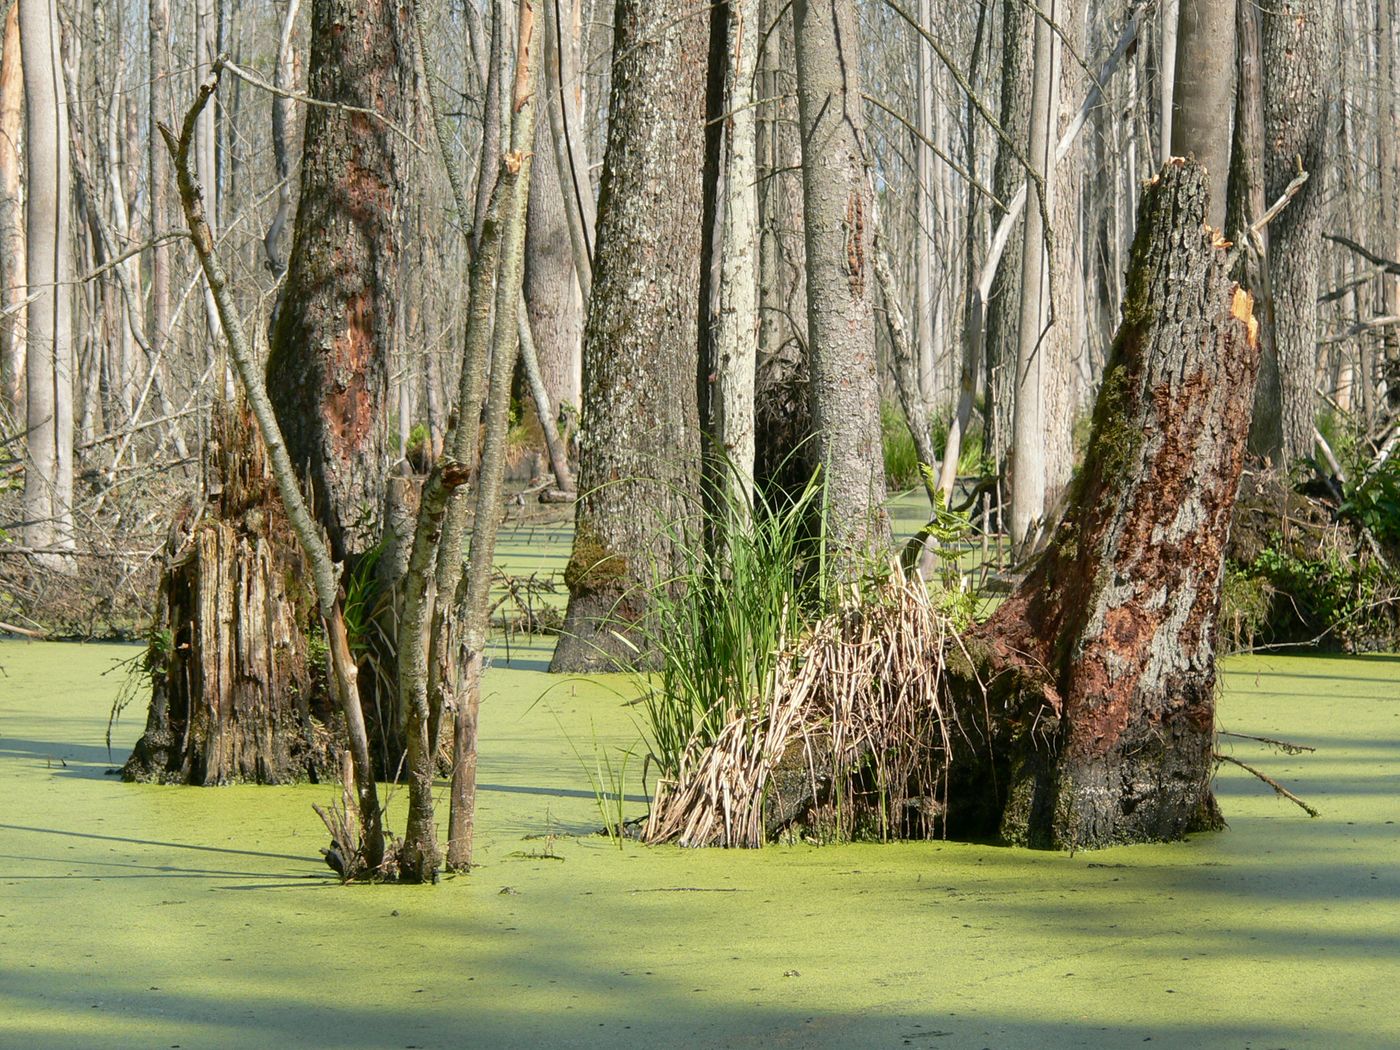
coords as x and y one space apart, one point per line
142 916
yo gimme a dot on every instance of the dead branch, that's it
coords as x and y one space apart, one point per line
1279 789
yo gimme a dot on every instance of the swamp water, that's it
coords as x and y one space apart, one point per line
141 916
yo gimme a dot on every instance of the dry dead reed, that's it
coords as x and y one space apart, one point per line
854 741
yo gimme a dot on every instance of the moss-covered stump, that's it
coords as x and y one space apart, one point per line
236 693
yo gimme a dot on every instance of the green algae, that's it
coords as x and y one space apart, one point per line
141 916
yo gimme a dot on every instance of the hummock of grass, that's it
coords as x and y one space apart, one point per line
142 916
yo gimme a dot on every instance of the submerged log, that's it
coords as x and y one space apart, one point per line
235 693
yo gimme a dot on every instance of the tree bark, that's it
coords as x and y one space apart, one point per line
735 343
234 690
640 437
1113 633
1298 55
14 281
1204 91
1004 303
158 179
783 453
328 359
555 308
1035 367
839 214
48 474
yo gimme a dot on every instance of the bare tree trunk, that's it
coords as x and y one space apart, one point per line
923 218
551 289
1388 287
1004 302
158 175
13 272
327 365
1035 367
782 404
735 345
48 475
1170 14
640 438
281 145
1204 91
1127 677
1298 57
839 215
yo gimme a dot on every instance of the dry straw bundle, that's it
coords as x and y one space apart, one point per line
854 740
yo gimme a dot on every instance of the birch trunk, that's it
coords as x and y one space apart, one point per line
48 474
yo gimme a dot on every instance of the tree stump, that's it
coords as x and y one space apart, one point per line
236 692
1110 639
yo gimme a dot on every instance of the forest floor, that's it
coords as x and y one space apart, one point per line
146 916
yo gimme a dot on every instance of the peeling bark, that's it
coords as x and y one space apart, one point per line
1110 640
327 363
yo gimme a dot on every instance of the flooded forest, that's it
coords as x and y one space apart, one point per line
815 523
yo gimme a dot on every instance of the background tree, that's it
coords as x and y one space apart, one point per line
839 223
48 476
13 280
640 442
329 355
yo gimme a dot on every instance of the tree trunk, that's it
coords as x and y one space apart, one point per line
235 692
782 409
13 280
1004 302
1298 54
158 175
1203 92
839 214
48 474
1035 365
555 308
327 365
735 345
640 436
1113 633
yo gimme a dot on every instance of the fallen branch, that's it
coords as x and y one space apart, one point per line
1279 789
1282 745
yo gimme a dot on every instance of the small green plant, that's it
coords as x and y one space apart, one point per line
901 458
726 619
608 781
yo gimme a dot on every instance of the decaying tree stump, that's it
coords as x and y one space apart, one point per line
1082 713
1110 640
236 696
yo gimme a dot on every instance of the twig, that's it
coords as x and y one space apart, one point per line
1282 745
224 62
1278 788
1289 192
1388 265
